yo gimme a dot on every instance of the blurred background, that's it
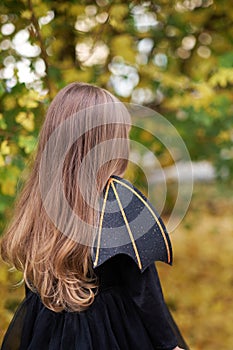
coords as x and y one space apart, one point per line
175 57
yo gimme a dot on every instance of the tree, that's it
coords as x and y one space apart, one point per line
173 56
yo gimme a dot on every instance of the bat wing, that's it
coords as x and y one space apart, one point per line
129 224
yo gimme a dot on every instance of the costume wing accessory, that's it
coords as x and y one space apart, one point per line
129 224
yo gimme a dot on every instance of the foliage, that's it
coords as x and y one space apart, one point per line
174 56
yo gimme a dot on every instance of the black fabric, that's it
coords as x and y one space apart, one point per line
128 312
123 202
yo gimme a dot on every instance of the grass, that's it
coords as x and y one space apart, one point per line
198 288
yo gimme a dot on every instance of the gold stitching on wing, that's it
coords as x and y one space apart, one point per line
127 225
153 214
101 222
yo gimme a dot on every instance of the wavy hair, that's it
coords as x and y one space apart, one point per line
58 264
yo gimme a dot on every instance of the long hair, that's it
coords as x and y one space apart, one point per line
51 233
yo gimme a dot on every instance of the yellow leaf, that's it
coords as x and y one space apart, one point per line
30 100
2 162
155 147
57 44
26 14
122 45
3 124
8 187
119 11
27 143
14 148
5 149
174 81
40 9
73 9
71 75
14 172
201 96
146 136
222 77
223 136
26 120
9 102
3 274
117 25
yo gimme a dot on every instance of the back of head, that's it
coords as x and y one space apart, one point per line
83 141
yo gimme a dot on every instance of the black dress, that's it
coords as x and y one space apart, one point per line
128 313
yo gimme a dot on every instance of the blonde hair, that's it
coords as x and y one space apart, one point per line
56 265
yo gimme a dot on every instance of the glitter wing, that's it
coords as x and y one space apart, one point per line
129 224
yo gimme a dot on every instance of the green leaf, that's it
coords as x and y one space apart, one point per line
226 60
27 143
2 90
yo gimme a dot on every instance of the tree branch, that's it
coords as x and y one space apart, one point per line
44 54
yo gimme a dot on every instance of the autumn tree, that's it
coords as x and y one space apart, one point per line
173 56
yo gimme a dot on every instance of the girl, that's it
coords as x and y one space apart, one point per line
71 301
